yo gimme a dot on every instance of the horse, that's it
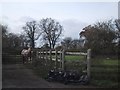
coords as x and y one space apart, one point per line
26 55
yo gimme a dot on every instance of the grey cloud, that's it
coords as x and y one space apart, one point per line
26 19
72 27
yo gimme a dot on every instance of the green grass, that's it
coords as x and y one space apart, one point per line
72 57
68 57
110 62
100 69
103 70
105 61
103 74
105 83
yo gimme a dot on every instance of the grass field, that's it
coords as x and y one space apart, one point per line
105 61
104 71
73 57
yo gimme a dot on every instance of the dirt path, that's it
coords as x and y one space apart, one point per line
17 76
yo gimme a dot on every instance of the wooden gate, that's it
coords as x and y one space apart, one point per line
58 56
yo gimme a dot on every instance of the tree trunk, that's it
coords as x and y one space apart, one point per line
32 43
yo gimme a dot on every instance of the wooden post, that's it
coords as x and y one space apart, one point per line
43 54
63 59
60 58
88 62
37 55
50 55
40 54
56 58
46 55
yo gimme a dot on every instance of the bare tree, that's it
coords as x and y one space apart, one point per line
117 23
4 36
52 31
66 43
69 43
76 44
24 40
32 31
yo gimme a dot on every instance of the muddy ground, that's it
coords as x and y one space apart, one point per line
18 76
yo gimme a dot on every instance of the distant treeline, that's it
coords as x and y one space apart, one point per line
102 37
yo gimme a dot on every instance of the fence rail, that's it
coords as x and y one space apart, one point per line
76 53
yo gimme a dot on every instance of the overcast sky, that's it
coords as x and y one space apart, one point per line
73 16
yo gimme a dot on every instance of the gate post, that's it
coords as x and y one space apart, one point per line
60 58
37 54
88 62
40 54
50 55
56 58
63 59
43 55
46 55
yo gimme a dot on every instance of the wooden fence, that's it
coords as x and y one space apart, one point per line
59 56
